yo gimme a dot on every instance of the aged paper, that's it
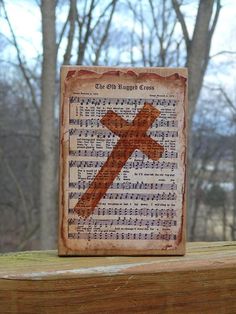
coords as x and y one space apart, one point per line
122 161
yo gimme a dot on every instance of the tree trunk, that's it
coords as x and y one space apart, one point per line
198 50
224 222
193 226
234 192
72 19
198 53
47 132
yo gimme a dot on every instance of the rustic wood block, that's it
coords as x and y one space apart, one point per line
122 161
202 281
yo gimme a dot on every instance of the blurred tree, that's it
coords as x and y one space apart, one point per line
19 156
109 32
88 25
232 107
154 37
208 151
197 59
215 198
198 46
47 127
91 25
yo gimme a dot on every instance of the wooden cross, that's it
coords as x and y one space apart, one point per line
132 136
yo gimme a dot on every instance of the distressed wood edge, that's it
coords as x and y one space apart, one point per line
45 265
127 269
204 291
179 251
63 249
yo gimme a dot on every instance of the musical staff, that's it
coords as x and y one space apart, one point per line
128 185
95 123
104 133
129 196
105 153
99 223
146 212
128 165
100 101
121 236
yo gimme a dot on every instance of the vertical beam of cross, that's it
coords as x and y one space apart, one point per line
132 136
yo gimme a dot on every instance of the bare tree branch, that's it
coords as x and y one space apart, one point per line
142 36
21 63
218 8
83 43
181 20
18 188
228 100
9 133
27 237
62 32
222 53
105 34
210 34
73 14
101 16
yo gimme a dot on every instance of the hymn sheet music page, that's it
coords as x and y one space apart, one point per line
122 161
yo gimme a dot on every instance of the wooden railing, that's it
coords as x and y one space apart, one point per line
203 281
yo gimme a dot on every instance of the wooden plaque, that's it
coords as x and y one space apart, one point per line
122 161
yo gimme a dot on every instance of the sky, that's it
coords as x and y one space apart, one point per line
25 18
26 21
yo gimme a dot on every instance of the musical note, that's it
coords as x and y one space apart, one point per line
123 101
128 165
95 123
127 185
122 236
128 196
153 201
102 133
123 222
105 153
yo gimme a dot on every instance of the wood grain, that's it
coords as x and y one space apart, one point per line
203 281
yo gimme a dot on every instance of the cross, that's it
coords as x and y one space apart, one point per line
132 136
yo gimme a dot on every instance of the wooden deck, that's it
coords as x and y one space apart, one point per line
203 281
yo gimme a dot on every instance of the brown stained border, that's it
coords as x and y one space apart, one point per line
182 232
72 75
62 171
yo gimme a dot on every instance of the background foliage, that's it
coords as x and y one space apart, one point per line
123 33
